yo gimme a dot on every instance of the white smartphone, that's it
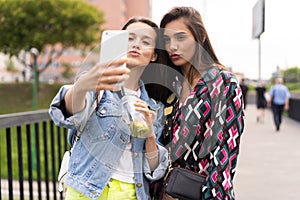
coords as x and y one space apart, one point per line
114 45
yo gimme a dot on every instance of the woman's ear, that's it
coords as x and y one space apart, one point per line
154 57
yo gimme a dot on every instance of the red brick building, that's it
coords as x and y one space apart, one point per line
117 12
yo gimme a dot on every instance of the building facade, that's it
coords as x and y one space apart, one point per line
117 12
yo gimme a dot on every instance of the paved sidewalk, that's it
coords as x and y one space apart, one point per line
16 190
269 162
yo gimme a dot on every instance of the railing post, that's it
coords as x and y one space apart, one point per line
29 161
9 164
20 162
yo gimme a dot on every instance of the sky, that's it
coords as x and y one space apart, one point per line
229 25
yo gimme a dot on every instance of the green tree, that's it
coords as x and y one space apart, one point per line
26 24
292 75
10 66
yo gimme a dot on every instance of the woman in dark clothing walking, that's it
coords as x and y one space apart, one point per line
261 101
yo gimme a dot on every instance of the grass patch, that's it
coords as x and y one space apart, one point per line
17 97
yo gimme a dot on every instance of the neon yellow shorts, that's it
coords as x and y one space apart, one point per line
114 190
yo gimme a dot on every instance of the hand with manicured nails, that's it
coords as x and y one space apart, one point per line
100 77
103 77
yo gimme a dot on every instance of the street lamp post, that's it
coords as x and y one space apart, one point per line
35 53
259 59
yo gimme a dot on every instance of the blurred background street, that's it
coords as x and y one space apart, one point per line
269 161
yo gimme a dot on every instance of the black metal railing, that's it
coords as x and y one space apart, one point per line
31 149
294 108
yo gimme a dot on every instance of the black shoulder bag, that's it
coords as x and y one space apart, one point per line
183 184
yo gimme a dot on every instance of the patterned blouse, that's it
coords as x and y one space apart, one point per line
206 131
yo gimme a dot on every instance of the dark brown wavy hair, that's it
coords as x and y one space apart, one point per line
204 55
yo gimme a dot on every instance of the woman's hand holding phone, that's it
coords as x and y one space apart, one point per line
100 77
103 77
111 71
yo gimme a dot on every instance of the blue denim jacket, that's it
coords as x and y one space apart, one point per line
102 143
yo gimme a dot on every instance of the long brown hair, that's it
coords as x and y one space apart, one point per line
204 55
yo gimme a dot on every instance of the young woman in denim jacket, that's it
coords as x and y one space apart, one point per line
107 162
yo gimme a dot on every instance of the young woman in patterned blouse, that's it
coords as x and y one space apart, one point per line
207 117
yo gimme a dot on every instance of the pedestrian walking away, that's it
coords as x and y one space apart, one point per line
279 101
261 101
245 89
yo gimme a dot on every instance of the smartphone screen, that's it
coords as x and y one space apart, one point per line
114 45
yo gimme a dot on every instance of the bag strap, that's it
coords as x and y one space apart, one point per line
170 168
94 106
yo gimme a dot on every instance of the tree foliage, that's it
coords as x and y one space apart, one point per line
25 24
292 75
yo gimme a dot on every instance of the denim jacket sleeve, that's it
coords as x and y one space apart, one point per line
160 170
58 114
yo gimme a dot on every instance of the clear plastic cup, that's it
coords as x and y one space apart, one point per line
135 119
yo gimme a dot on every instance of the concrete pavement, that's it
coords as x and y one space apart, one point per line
269 161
